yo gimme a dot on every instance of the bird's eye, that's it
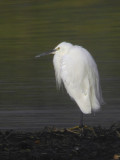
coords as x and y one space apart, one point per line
58 48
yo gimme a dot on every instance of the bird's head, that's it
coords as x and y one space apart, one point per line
61 48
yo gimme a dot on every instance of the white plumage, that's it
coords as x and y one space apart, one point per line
75 67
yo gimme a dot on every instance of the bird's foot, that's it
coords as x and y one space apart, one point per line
81 126
76 130
76 127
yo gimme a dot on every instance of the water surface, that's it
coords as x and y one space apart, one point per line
28 95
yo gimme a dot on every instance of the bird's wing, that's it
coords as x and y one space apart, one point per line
75 73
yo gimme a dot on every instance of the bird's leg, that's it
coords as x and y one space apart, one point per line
81 120
81 124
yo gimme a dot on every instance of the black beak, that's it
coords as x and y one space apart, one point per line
46 53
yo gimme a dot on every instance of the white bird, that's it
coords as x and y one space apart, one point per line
76 68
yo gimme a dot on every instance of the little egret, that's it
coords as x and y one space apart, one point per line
76 68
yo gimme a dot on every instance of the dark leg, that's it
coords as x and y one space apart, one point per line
81 120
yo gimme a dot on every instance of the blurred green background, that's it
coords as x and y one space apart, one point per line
28 95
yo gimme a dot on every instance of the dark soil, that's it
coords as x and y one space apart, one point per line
79 143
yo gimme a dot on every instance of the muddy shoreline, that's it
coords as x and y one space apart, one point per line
78 143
